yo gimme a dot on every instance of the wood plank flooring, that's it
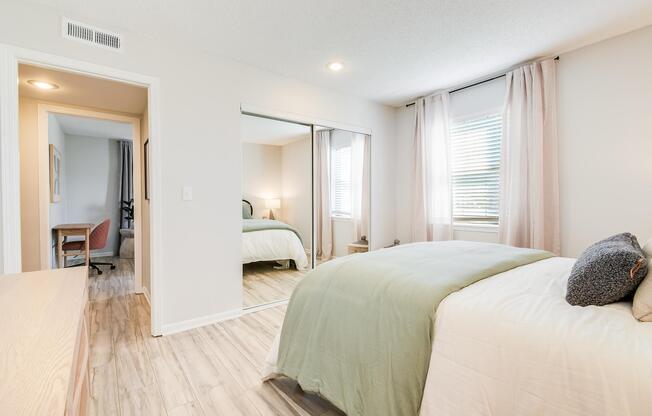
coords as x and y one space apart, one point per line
262 283
212 370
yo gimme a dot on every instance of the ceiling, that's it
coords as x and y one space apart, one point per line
266 131
80 90
392 50
93 127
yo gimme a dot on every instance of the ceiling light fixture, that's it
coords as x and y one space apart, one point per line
335 66
44 85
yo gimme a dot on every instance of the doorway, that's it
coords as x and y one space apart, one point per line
10 167
84 136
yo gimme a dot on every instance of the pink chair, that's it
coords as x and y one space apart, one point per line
97 240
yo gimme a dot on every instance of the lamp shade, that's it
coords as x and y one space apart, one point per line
272 203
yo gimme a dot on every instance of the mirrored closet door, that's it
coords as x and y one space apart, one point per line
276 208
305 201
341 183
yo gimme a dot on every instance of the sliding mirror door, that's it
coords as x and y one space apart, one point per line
341 183
276 208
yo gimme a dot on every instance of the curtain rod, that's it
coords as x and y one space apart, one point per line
556 58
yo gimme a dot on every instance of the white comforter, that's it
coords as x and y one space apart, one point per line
273 245
512 345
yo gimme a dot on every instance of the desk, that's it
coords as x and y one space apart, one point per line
65 230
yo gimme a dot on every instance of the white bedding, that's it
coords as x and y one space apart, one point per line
512 345
273 245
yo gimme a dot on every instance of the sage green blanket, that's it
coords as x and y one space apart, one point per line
255 224
359 329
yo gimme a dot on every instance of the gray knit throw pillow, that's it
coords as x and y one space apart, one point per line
607 271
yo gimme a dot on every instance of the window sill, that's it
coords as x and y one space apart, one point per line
341 218
479 228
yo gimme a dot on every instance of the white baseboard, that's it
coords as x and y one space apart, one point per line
169 329
258 308
102 254
96 254
145 293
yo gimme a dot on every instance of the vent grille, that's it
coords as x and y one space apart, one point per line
91 35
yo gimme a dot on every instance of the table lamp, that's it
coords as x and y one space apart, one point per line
272 204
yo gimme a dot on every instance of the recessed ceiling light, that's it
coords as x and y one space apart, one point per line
43 84
335 66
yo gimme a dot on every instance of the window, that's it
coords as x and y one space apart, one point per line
475 145
341 181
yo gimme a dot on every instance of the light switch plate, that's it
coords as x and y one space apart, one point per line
187 193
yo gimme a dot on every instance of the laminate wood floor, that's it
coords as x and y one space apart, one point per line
262 283
212 370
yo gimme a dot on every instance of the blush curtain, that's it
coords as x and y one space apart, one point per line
432 194
360 158
324 226
529 202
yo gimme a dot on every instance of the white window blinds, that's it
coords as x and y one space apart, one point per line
475 146
341 181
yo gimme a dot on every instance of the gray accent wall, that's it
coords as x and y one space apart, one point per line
92 184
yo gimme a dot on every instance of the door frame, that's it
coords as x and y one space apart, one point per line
44 109
10 229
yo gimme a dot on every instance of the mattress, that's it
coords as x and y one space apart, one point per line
512 345
273 245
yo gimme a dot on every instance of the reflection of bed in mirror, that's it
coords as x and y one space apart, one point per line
270 240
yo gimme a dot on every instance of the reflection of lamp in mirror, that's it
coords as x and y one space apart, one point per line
272 204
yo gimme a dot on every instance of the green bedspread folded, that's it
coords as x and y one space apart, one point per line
255 224
359 329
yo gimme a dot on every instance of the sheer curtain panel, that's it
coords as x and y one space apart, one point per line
529 202
432 193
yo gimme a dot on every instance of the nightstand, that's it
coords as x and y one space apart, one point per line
358 248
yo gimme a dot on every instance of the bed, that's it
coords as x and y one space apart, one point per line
270 240
505 344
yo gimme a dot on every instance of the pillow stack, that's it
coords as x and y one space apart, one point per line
607 272
642 305
246 211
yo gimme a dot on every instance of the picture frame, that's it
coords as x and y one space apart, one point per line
146 168
55 174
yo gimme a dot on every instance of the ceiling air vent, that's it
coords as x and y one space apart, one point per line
91 35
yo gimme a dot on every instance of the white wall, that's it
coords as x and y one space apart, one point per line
296 187
200 124
605 140
57 210
261 175
92 184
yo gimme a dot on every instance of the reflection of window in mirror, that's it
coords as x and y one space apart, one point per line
348 190
341 181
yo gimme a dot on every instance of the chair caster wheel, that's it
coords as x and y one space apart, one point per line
112 267
99 272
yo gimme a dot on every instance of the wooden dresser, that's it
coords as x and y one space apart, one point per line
44 343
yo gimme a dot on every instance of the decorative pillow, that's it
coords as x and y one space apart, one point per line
246 211
642 305
607 271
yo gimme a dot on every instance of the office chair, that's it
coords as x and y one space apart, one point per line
97 240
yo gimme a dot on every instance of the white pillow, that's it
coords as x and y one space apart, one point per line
642 305
647 248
